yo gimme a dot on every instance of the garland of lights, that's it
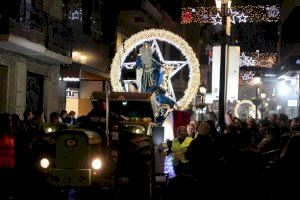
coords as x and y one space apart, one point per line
165 36
252 108
240 14
266 60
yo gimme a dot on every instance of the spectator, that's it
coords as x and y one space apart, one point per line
179 147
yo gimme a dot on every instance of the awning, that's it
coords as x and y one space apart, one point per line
289 67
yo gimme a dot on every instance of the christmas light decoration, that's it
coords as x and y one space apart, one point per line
217 19
247 76
251 110
187 17
243 14
265 60
242 18
168 166
246 60
75 12
152 35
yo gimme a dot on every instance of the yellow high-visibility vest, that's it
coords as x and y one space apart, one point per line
179 150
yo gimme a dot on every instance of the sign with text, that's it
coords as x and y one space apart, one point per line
72 93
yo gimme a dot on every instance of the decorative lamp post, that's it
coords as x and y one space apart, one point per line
256 82
223 7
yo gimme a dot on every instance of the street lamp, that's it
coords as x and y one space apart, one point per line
256 82
223 7
202 90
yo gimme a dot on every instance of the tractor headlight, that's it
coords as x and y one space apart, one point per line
138 130
44 163
96 164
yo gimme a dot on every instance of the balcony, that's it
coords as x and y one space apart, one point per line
32 32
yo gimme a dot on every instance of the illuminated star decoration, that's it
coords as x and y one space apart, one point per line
76 14
148 36
172 68
242 18
233 16
246 60
252 13
273 11
217 19
247 76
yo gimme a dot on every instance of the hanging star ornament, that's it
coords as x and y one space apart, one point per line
76 15
246 60
217 19
242 18
233 16
247 76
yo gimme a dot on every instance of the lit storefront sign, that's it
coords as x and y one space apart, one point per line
72 93
74 79
292 103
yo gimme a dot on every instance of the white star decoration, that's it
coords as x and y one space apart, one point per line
217 19
177 66
246 60
247 76
76 15
233 15
242 18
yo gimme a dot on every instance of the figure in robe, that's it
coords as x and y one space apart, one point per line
148 69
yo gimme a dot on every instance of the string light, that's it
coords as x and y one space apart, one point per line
165 36
265 60
240 14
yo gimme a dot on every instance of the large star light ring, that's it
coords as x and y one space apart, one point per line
151 36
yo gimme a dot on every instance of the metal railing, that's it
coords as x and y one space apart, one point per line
27 19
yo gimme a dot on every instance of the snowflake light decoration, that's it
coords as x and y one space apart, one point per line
273 11
151 36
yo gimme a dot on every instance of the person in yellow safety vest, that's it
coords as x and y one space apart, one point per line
179 147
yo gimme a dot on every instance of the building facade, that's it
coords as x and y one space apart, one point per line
34 42
289 62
